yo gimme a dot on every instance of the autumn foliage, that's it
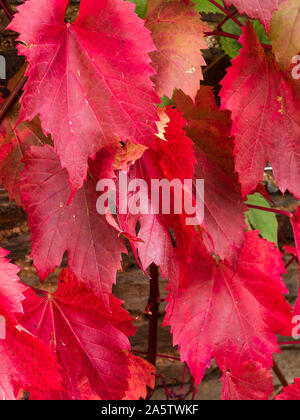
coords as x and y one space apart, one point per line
90 108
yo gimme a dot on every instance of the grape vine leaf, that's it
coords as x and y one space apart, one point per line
285 32
209 128
178 34
224 312
94 248
15 140
142 374
295 221
88 341
24 361
256 9
291 392
11 290
265 114
174 158
90 80
290 250
250 383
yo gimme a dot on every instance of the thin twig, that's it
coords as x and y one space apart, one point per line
229 35
12 97
182 380
163 356
288 343
290 261
280 375
7 9
226 12
216 61
228 17
153 304
270 210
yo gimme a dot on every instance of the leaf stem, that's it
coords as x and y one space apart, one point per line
7 9
12 97
163 356
276 211
229 35
215 62
227 13
292 259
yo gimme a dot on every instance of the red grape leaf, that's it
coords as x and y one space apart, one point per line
15 139
156 246
225 312
88 341
250 383
14 142
24 361
291 392
127 155
256 9
94 249
262 190
209 128
285 33
176 154
295 221
90 80
178 34
174 158
11 290
290 250
142 374
266 117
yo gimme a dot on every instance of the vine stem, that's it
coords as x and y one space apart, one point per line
227 13
228 17
216 61
290 261
229 35
12 97
153 305
163 356
222 33
280 375
276 211
7 9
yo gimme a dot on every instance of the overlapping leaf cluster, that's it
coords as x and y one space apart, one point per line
89 109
